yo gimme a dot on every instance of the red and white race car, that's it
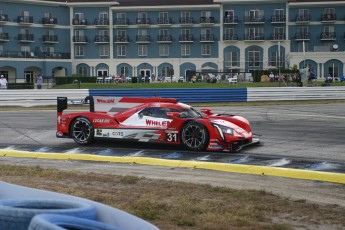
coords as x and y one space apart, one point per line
156 120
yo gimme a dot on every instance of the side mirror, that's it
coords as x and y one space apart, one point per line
171 115
206 111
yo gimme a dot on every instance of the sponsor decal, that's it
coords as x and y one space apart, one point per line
98 120
99 132
117 134
214 146
107 101
157 123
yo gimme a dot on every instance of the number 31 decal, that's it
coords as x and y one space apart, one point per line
171 137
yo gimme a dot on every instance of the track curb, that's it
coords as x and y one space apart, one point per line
225 167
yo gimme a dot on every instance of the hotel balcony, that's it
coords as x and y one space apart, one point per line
230 20
230 37
50 39
4 37
79 22
49 21
164 39
101 22
102 39
143 39
164 21
302 36
3 18
143 21
303 19
328 36
186 38
207 38
278 37
327 18
254 37
254 20
207 21
123 22
121 39
276 19
26 37
186 21
25 19
80 39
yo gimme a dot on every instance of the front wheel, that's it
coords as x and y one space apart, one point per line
82 131
195 136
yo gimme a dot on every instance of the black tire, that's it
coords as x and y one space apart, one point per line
16 214
82 131
195 136
59 222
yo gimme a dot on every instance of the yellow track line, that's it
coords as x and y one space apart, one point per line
235 168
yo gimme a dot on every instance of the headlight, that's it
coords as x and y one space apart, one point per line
224 130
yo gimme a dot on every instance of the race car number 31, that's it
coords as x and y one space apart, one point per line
171 137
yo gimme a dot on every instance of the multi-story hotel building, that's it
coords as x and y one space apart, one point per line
144 37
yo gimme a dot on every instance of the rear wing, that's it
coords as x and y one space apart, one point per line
112 104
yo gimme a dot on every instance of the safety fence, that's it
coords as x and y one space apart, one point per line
28 98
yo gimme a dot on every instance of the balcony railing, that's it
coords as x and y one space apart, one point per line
231 20
278 36
164 21
121 39
143 38
207 38
121 22
329 36
79 22
26 37
328 17
80 39
186 38
49 21
303 18
4 37
278 19
3 18
50 39
25 19
143 21
302 36
41 55
186 20
164 38
102 39
101 22
254 37
230 37
254 20
207 20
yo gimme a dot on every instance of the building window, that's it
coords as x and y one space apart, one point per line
142 50
185 49
121 50
79 50
275 59
205 49
231 59
229 14
82 71
124 71
103 50
164 50
254 58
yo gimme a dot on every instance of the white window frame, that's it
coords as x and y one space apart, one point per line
185 49
205 49
163 50
79 50
142 50
103 50
121 50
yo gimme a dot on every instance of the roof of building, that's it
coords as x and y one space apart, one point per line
143 2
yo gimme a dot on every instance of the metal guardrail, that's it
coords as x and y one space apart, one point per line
29 98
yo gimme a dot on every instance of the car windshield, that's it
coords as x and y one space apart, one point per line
190 113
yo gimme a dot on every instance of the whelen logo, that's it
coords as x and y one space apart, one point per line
105 100
157 123
100 120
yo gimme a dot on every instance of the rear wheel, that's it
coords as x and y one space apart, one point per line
82 131
195 136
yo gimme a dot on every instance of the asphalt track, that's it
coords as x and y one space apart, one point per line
298 141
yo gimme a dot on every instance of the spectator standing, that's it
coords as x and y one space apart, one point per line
3 82
271 76
39 82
